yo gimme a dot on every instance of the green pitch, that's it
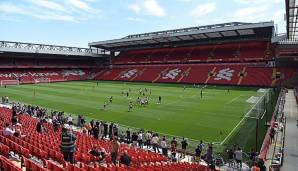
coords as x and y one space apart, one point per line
182 112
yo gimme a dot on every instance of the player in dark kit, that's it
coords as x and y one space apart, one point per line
111 99
201 93
159 99
105 106
127 94
130 106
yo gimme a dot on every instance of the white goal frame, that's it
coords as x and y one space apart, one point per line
42 80
9 82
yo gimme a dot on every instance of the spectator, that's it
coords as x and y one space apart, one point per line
69 120
174 142
92 123
68 144
174 147
164 147
252 156
184 144
148 137
239 157
128 138
209 155
198 152
89 128
122 137
40 127
140 139
261 165
173 152
84 130
14 120
155 142
125 159
255 167
100 153
115 149
96 131
79 121
55 125
272 134
134 139
230 153
8 131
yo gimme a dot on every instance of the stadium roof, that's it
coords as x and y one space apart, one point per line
31 48
225 31
291 14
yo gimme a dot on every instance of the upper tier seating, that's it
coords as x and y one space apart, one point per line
238 52
46 147
45 63
225 74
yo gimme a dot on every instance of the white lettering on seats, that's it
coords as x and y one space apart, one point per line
225 74
129 73
172 74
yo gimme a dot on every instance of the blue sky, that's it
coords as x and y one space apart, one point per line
78 22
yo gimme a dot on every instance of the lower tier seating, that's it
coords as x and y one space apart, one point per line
219 74
46 147
44 75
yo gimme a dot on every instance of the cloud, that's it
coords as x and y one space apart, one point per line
82 6
258 1
154 8
134 7
185 0
48 4
203 9
70 10
250 14
148 7
45 15
136 19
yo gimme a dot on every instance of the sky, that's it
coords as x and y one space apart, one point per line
79 22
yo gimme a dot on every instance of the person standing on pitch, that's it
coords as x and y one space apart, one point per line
130 106
201 93
159 99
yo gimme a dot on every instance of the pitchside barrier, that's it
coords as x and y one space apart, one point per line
277 114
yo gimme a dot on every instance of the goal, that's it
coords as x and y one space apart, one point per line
9 82
42 80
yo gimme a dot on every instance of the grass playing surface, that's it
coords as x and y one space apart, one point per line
182 112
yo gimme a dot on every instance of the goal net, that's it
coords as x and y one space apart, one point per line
42 80
9 82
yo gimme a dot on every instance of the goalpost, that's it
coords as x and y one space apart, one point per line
42 80
9 82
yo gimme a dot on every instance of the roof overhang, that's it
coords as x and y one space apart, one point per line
192 34
291 15
50 50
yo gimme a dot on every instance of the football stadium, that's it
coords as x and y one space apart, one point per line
209 97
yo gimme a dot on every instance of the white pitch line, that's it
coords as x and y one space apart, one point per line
234 99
